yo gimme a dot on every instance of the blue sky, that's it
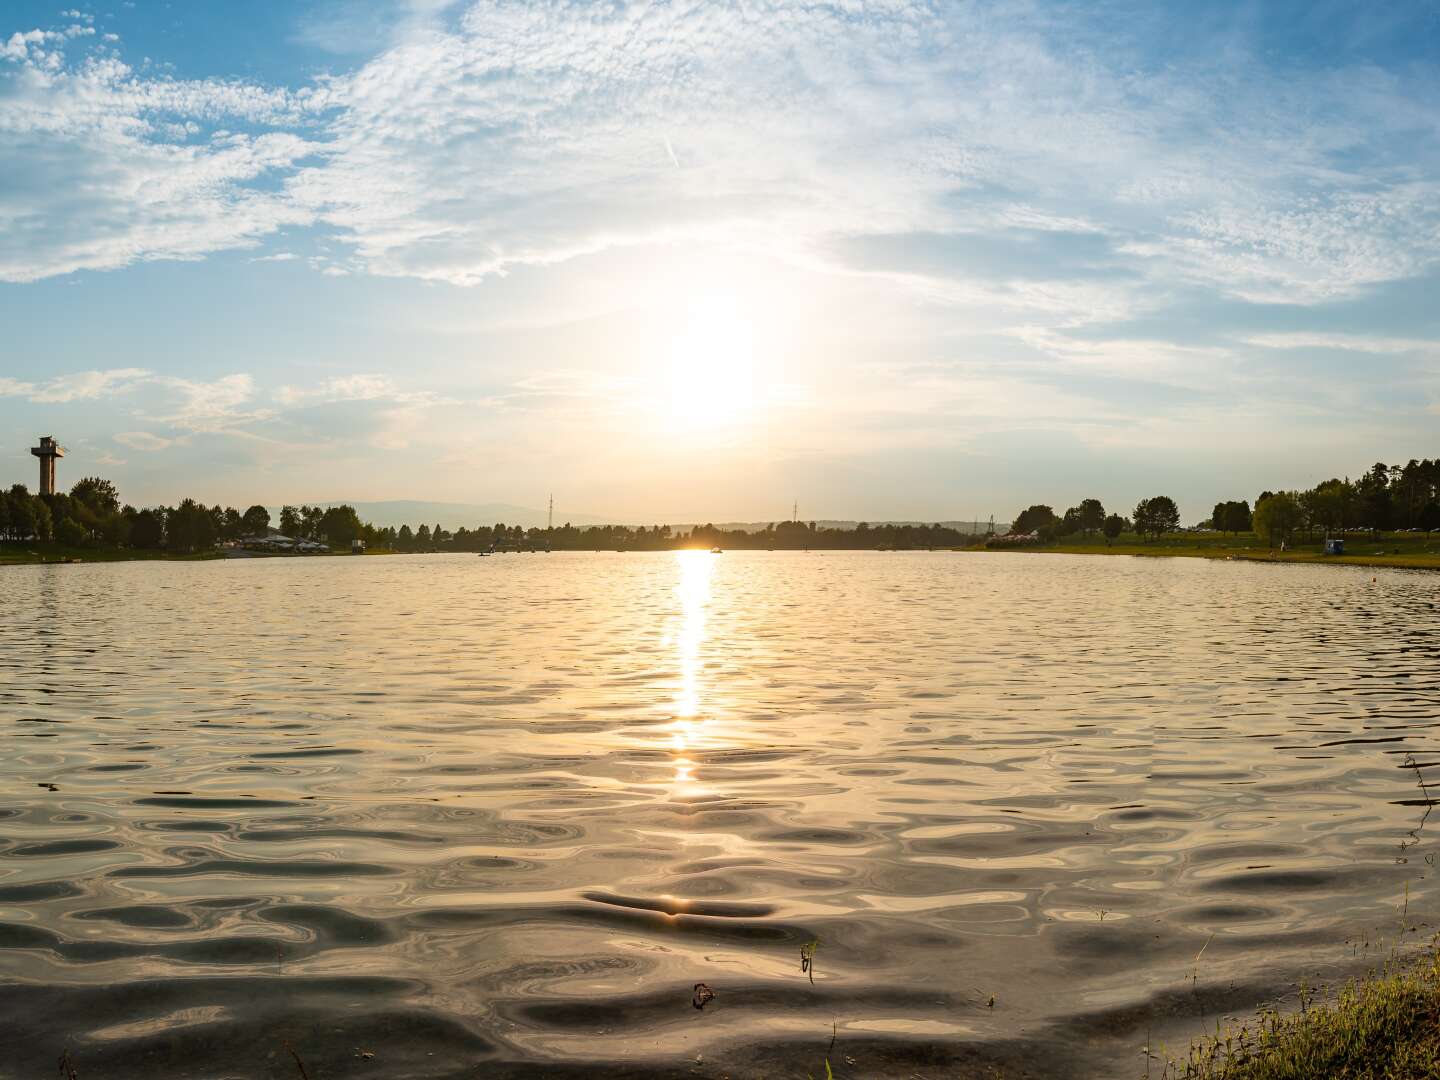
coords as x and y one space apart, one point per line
678 261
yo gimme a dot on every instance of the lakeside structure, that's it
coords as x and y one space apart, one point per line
48 451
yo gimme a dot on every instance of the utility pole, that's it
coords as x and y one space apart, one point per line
550 518
795 511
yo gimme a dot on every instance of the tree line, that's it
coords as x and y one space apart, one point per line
1152 517
92 514
1386 498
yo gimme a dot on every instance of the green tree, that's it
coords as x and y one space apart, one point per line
1113 526
42 523
1156 516
70 532
1429 518
256 521
1237 516
190 527
340 525
1092 515
1031 519
1277 517
290 521
97 494
147 529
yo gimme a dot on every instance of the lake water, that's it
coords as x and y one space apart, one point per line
500 816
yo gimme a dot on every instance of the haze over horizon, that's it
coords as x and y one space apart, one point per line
898 260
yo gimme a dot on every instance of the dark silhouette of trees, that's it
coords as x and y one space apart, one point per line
97 494
1231 517
1156 516
1113 526
255 521
1032 519
1277 517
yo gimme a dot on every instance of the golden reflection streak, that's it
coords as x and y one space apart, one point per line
693 591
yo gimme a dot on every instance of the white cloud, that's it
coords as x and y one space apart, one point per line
532 134
143 440
77 386
107 167
1364 343
214 406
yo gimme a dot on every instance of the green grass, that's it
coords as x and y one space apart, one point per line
1405 550
1385 1027
23 554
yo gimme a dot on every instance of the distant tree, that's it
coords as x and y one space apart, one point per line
1429 518
422 538
404 539
1092 516
1113 526
256 521
70 532
1030 520
97 494
1237 517
42 523
310 518
232 525
1277 517
147 529
190 527
290 521
1373 490
341 525
1156 516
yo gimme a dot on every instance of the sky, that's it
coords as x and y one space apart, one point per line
694 261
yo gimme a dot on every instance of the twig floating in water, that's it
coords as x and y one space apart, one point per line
298 1063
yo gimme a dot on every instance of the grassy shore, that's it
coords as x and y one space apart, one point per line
28 554
1415 551
25 554
1385 1027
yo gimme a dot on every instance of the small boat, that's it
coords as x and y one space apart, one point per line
716 551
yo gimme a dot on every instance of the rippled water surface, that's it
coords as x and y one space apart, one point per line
445 816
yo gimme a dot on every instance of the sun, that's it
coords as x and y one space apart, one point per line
712 364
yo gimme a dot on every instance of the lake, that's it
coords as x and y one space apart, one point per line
445 816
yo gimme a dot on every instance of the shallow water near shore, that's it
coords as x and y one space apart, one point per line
441 816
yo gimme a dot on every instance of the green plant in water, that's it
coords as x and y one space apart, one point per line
807 959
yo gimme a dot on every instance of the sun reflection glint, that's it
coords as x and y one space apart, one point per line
693 591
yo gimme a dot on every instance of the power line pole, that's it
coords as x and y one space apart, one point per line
550 518
795 512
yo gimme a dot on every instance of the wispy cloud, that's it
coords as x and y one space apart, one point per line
529 134
74 387
143 440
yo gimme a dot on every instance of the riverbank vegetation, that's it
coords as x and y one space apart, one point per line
1385 1027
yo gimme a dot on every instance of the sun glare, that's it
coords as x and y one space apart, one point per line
712 365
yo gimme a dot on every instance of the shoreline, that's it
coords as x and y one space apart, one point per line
1169 548
1312 558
